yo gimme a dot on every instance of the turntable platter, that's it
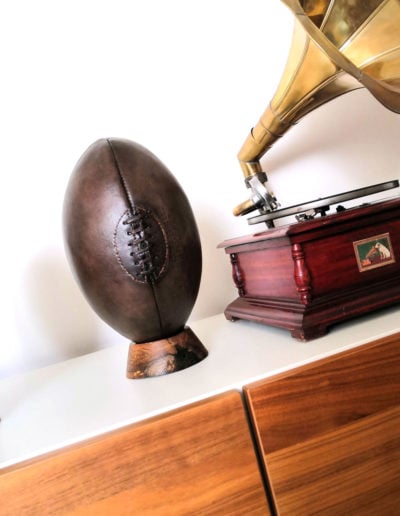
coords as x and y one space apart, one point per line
320 206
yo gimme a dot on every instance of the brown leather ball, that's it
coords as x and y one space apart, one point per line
132 240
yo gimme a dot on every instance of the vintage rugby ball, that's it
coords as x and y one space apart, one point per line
134 246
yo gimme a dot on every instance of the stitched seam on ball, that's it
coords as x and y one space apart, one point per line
119 259
131 203
121 176
140 245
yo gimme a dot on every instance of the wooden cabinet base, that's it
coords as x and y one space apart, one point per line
307 276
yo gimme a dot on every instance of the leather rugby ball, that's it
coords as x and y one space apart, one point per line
132 240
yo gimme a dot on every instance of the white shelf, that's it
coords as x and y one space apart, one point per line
80 398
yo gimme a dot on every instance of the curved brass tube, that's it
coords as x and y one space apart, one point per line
336 48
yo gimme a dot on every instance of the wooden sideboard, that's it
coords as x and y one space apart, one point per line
329 433
196 460
266 425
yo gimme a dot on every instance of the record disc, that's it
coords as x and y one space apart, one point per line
323 204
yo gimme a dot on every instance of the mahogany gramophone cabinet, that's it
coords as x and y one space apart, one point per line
309 275
323 268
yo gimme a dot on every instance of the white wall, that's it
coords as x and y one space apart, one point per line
185 79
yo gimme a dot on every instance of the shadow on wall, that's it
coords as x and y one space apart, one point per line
54 316
355 127
346 144
217 288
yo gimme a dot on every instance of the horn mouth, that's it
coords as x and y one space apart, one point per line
364 42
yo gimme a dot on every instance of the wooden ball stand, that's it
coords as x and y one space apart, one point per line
165 356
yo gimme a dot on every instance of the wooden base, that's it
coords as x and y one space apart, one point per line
307 276
165 356
308 323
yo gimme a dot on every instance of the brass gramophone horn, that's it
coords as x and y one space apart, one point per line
338 46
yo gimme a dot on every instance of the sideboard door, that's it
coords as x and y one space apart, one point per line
199 459
329 433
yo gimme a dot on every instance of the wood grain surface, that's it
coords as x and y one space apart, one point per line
352 470
306 277
329 433
196 460
165 356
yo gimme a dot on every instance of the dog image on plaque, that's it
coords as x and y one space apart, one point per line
286 276
374 252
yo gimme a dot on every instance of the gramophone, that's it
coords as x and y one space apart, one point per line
324 267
